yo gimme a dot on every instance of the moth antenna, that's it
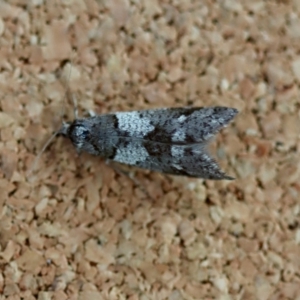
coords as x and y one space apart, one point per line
74 99
32 168
49 141
68 90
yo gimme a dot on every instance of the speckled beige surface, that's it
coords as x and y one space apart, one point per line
76 229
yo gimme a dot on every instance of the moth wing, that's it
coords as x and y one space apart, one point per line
186 125
185 160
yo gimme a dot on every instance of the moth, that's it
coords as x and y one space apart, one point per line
168 140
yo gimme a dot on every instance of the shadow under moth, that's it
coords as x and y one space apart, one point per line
169 140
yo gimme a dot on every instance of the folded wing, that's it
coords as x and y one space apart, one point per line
175 125
172 140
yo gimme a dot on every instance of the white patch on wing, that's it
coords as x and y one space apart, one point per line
179 136
132 123
177 151
178 167
182 118
131 154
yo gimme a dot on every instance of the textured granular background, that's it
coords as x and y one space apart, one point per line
75 228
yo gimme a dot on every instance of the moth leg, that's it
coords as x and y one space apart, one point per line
129 175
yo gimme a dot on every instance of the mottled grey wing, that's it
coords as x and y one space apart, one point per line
171 140
179 126
186 160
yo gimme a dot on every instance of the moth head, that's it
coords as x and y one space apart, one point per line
77 132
